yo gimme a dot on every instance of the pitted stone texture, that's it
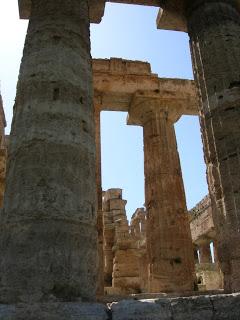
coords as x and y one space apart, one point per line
3 151
201 221
54 311
7 312
117 81
193 308
218 307
48 223
169 243
226 307
141 310
100 280
214 28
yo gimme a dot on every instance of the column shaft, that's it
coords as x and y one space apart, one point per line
196 260
214 28
100 282
48 224
205 253
169 241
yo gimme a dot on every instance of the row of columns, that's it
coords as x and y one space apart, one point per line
203 254
48 223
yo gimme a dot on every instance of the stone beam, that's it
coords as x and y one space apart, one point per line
96 10
151 3
172 14
171 20
201 222
117 82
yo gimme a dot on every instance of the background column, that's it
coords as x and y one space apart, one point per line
205 252
169 243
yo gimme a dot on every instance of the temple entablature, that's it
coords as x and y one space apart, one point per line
201 222
119 83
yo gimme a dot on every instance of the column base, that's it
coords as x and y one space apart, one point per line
164 285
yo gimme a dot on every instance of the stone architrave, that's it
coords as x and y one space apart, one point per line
214 28
48 223
169 243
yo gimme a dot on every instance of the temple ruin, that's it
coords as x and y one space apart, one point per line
61 241
203 233
125 252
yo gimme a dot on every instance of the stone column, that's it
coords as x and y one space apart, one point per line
100 282
169 242
196 259
215 252
48 223
3 152
109 233
205 252
214 28
3 157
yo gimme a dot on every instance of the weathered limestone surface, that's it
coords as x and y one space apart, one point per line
219 307
201 221
169 243
3 151
123 245
205 252
48 223
109 233
117 81
214 29
209 275
96 9
130 245
54 311
100 281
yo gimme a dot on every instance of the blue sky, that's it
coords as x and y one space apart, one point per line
126 32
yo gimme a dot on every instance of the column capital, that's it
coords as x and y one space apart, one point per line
146 106
96 10
173 14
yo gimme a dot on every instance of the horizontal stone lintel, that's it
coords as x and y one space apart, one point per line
96 9
171 20
117 82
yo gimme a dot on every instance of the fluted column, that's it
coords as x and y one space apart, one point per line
205 252
196 259
169 243
215 252
48 223
3 151
100 282
214 28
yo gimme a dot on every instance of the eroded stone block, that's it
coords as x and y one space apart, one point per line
141 310
226 307
192 308
54 311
